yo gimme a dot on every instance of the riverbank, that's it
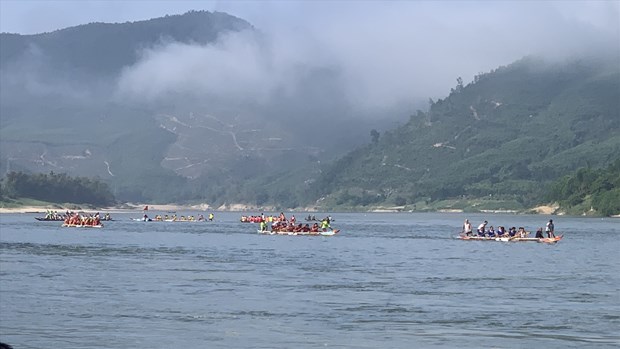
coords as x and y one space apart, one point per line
131 207
174 208
117 209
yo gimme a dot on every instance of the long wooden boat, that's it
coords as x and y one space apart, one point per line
170 220
43 219
141 219
300 233
82 226
510 239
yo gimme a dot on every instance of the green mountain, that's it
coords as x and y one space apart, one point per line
77 101
60 112
588 190
87 101
503 137
106 48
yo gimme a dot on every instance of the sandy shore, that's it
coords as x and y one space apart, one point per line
546 209
129 208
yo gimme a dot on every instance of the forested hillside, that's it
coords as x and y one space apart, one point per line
106 48
160 111
505 136
55 187
588 190
163 109
60 110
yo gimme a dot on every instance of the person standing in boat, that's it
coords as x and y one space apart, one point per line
550 229
467 229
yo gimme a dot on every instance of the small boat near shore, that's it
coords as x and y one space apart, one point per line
300 233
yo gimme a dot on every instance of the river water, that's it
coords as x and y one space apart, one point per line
386 281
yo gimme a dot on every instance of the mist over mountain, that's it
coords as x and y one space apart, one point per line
205 106
174 98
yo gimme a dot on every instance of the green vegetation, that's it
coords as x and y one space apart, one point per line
598 189
57 188
500 142
75 122
82 47
507 136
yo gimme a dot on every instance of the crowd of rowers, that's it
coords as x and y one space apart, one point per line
271 219
182 218
501 231
55 216
83 219
281 224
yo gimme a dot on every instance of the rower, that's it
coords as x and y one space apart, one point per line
539 233
325 224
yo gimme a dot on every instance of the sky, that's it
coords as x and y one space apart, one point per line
386 51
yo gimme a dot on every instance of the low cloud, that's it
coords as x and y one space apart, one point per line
232 69
356 57
376 54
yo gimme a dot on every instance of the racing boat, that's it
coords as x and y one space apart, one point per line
305 233
47 219
142 219
82 226
510 238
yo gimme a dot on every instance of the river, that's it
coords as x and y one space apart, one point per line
387 280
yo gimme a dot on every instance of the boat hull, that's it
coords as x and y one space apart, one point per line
511 239
81 226
300 233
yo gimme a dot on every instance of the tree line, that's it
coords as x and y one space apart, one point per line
601 186
56 187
